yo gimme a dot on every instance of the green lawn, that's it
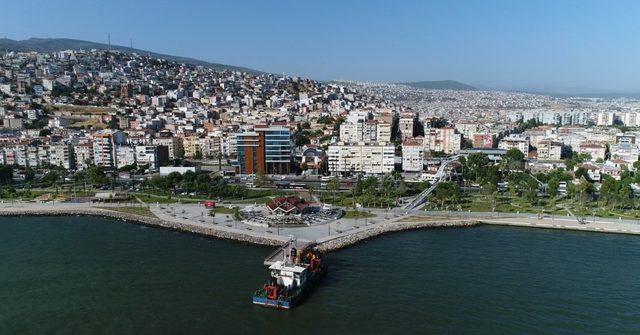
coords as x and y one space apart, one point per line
505 203
223 210
165 200
142 211
345 199
357 215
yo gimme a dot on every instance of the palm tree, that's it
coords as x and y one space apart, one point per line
219 157
334 185
311 190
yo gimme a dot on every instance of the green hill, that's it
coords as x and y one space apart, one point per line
59 44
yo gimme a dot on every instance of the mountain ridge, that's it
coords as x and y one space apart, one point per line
440 85
60 44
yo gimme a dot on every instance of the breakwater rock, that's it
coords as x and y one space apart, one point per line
352 237
145 220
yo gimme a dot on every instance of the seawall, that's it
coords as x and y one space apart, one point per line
345 240
144 220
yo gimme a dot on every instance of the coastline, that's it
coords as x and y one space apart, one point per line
146 221
345 240
327 244
330 243
607 228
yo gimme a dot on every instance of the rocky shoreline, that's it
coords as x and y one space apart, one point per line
147 221
329 244
347 240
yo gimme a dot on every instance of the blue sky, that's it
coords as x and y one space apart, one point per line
564 43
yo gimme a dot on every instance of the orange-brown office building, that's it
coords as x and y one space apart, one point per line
265 150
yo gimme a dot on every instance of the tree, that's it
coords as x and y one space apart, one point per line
513 159
490 191
128 168
447 193
198 154
576 159
261 179
219 157
531 189
582 173
333 186
584 190
51 178
531 123
180 152
29 174
396 136
608 190
474 166
44 132
625 194
6 174
553 186
402 187
95 175
312 191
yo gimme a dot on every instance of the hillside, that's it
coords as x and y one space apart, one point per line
441 85
58 44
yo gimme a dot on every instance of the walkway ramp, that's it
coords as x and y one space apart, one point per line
440 175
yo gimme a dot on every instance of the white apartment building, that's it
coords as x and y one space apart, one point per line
125 155
626 151
83 156
62 155
191 145
468 130
630 119
229 145
383 132
549 150
412 155
515 141
442 139
147 155
351 132
605 118
596 150
33 158
374 159
103 150
370 131
210 146
405 125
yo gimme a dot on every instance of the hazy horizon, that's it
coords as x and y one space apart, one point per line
498 44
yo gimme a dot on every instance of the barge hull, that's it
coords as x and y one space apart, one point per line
271 303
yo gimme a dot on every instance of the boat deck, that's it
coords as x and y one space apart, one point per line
280 253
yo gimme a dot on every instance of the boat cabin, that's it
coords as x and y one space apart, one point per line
289 275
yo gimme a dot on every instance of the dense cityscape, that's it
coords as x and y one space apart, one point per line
334 167
113 119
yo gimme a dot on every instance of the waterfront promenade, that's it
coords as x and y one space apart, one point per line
194 218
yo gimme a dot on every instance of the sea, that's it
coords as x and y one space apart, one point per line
89 275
